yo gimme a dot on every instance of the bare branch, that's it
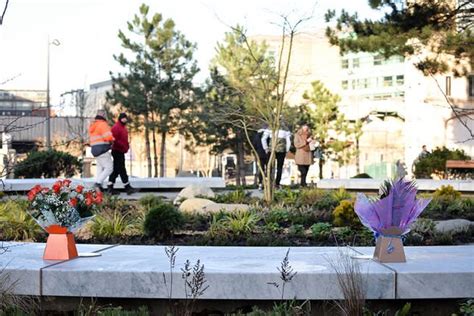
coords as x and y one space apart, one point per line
4 11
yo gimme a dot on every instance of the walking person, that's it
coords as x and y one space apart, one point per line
303 156
100 140
261 153
283 144
120 147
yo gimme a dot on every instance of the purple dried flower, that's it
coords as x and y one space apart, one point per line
399 208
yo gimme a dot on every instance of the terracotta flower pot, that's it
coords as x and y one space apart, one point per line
60 244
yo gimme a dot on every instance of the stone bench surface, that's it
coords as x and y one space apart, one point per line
140 183
238 273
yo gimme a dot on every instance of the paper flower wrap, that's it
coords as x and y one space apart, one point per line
398 207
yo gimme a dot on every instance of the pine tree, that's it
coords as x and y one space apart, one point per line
157 85
411 28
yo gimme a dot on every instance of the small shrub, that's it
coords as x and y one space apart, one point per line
149 201
321 230
112 224
447 192
273 228
296 230
341 194
278 215
162 220
467 308
48 164
443 239
362 176
310 196
326 202
241 223
344 215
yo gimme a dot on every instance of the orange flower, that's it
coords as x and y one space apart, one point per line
89 201
73 202
79 189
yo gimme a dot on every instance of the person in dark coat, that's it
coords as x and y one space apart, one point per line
262 154
120 147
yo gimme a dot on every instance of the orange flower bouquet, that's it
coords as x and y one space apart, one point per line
60 211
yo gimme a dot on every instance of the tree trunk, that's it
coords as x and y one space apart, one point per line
241 161
155 151
357 156
321 165
147 145
163 155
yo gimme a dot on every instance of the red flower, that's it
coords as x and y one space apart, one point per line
89 201
56 187
31 195
45 190
73 202
79 189
99 197
66 182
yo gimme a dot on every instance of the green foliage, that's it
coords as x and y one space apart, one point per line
296 230
408 28
362 176
111 224
162 220
423 229
278 215
149 201
287 196
236 224
341 194
447 192
434 163
344 215
48 164
320 230
467 308
239 196
16 223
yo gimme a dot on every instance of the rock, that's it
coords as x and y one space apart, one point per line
453 225
195 205
215 208
193 191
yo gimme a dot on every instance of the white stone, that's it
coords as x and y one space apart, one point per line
195 205
193 191
453 225
374 184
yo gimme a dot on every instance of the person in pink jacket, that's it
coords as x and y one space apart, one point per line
120 147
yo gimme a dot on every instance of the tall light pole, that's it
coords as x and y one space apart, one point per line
55 42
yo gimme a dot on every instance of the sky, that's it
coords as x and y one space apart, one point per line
87 31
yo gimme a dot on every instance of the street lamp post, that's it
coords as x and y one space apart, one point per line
55 42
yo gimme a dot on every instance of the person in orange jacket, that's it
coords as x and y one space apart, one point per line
100 139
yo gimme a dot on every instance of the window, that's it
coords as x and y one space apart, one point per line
471 85
355 63
448 85
378 60
345 84
354 82
387 81
366 83
400 80
345 63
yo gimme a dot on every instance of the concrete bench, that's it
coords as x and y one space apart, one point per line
239 273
